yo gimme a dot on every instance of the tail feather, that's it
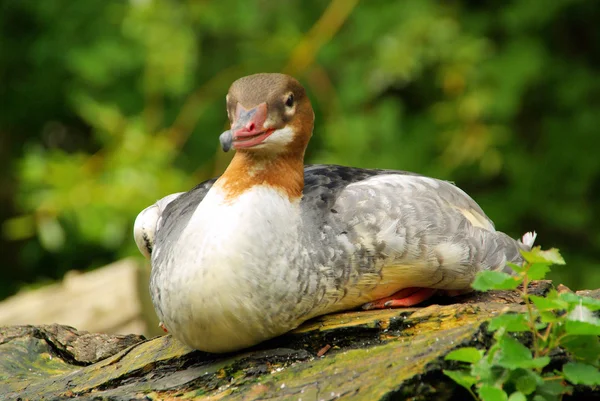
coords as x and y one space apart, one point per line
513 248
502 249
528 240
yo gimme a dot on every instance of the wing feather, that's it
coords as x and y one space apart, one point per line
147 223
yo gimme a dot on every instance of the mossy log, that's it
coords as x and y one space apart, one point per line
362 355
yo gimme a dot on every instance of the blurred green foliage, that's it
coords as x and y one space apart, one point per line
108 105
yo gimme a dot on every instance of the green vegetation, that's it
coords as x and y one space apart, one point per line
556 323
108 105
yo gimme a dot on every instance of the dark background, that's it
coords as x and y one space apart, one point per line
108 105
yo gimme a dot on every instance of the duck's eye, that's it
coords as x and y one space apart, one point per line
289 102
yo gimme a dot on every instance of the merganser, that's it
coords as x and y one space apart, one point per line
271 243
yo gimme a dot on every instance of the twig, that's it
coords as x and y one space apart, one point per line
530 313
190 112
322 31
323 350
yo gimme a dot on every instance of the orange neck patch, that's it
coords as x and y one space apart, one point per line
284 173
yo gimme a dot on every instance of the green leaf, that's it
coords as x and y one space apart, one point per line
52 235
553 387
581 373
467 354
536 255
548 303
513 322
19 228
515 355
537 363
551 390
489 393
493 280
574 300
525 380
582 314
575 327
550 317
461 377
582 347
517 396
512 352
538 271
526 384
482 370
516 268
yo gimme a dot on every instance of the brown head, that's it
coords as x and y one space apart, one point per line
270 116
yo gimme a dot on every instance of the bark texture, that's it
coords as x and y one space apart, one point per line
362 355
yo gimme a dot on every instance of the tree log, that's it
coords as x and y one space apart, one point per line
363 355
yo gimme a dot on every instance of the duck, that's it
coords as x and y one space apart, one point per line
272 243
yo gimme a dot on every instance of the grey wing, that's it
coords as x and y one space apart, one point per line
146 222
426 232
162 223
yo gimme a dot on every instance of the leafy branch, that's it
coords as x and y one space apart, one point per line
509 371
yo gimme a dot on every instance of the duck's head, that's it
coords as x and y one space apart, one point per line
270 114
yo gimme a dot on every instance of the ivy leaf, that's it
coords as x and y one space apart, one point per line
549 257
585 348
489 393
467 354
515 355
538 271
493 280
461 377
517 396
581 373
512 322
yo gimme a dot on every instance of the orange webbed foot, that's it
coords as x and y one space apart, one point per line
402 299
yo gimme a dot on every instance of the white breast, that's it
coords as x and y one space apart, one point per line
229 266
